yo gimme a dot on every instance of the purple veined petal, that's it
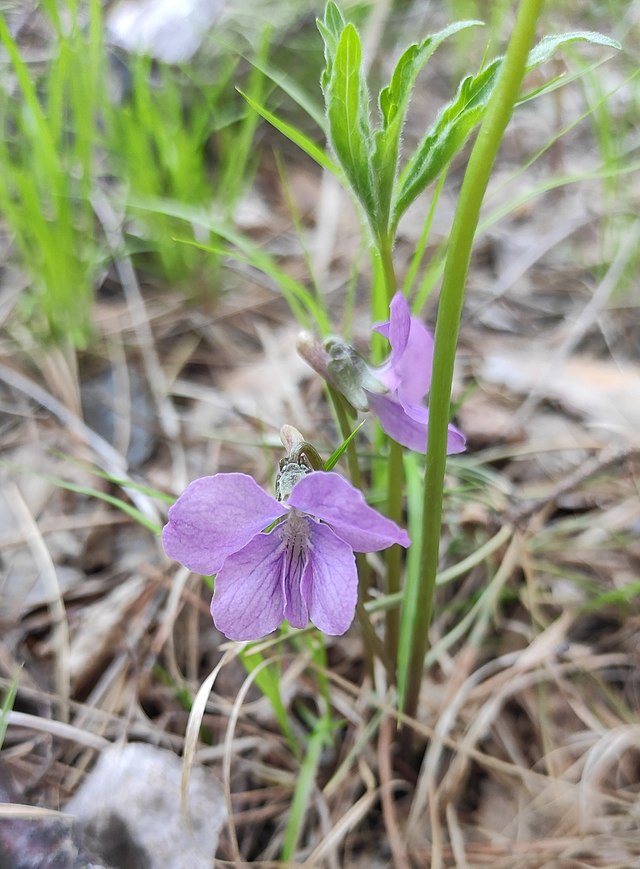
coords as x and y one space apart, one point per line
330 497
408 424
248 602
216 516
330 582
295 533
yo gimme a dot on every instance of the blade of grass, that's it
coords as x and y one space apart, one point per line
7 705
317 154
304 788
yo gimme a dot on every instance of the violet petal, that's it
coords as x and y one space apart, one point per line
407 371
330 497
216 516
330 583
397 423
408 424
249 599
414 362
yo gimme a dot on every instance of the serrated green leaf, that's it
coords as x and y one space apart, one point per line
347 99
446 138
456 122
393 102
548 45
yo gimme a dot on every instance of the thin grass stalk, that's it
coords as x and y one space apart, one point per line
483 155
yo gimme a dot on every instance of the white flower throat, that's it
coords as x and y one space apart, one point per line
295 532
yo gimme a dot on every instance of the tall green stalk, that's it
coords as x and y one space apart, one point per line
475 182
395 477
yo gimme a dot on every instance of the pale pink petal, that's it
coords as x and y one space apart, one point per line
216 516
330 583
330 497
249 598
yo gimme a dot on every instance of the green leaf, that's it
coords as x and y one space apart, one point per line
446 138
458 119
330 30
393 102
347 103
548 45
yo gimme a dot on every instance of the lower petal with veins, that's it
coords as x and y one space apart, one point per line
330 582
249 600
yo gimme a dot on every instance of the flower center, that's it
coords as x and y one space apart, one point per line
295 532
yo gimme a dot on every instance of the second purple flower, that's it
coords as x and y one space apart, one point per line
395 391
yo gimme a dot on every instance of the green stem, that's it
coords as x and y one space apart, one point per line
475 182
373 646
345 431
395 480
385 248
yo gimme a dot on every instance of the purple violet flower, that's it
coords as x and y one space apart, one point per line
303 568
407 376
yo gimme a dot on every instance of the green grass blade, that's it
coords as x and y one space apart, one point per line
289 86
336 455
317 154
304 789
7 706
268 681
125 507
